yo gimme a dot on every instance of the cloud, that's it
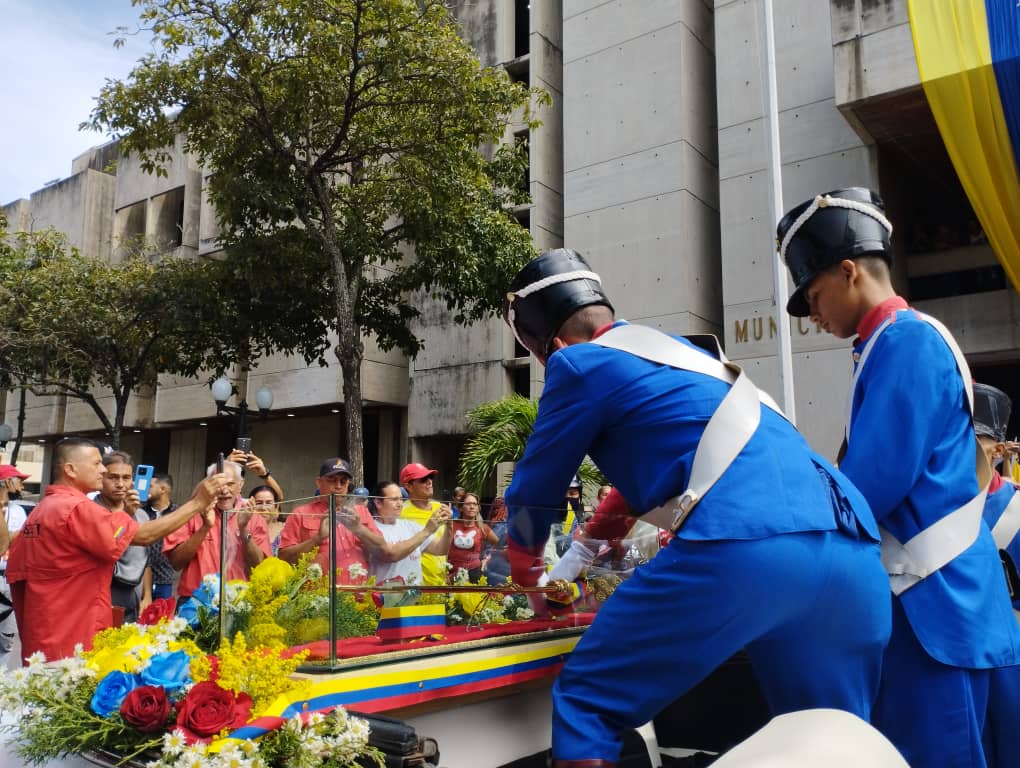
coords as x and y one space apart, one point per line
55 58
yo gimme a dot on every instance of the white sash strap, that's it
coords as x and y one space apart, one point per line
961 364
728 430
943 541
1008 524
935 546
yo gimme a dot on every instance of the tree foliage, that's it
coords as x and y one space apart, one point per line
70 322
344 141
499 432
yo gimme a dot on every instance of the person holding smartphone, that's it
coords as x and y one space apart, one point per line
194 550
250 463
61 566
117 493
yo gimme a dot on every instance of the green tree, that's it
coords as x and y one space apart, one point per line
69 322
356 141
499 431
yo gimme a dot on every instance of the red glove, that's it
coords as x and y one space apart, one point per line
612 518
526 564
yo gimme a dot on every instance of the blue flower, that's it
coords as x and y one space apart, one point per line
209 593
170 670
206 596
111 692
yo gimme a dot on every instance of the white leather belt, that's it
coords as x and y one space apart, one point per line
730 427
943 541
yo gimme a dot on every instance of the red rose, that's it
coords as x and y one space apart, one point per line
164 607
209 709
146 708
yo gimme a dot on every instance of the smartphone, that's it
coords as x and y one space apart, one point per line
143 480
219 463
446 497
243 444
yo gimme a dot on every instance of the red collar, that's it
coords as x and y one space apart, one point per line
996 484
603 329
877 315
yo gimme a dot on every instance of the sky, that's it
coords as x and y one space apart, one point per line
54 57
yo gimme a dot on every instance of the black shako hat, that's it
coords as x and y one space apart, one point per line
991 412
822 231
549 289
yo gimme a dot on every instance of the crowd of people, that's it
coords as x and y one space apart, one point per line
874 585
93 553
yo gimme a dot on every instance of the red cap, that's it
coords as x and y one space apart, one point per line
7 471
416 472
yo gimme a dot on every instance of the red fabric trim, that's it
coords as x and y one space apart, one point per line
996 484
367 646
603 329
875 316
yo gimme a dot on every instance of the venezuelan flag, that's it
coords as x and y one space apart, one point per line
968 56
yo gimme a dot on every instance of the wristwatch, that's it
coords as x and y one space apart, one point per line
263 477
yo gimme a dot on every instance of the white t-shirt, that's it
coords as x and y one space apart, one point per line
409 569
15 516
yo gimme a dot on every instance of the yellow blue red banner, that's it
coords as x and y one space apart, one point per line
968 57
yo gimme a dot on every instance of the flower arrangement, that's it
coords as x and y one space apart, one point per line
484 607
279 606
149 692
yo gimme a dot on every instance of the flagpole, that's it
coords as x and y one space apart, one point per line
780 291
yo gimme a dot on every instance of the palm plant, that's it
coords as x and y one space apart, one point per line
499 430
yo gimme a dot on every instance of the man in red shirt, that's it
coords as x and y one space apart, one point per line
307 527
194 550
61 565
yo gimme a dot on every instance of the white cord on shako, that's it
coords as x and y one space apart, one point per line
537 286
827 201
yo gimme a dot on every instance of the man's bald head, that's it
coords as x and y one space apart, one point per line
77 462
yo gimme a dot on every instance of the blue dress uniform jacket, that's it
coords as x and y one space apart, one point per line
1001 736
641 422
911 450
779 558
911 453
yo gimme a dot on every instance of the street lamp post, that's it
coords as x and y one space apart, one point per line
222 389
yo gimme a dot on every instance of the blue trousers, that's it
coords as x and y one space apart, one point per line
812 610
1002 726
933 713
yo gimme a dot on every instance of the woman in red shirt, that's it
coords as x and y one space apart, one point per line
469 535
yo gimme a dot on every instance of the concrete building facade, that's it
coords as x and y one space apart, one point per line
653 161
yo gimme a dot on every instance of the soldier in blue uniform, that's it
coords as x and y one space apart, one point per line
775 551
910 449
1002 515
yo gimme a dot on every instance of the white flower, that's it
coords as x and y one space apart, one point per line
174 742
36 660
314 571
524 613
357 571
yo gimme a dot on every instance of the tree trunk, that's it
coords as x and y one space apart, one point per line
121 400
21 427
350 364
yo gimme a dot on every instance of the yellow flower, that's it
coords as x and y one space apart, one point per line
273 571
121 650
259 672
